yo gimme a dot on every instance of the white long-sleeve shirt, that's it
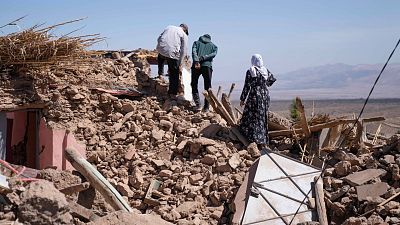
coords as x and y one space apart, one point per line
172 43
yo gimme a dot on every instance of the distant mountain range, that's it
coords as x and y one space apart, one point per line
335 81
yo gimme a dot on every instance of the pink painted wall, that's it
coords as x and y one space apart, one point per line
53 142
19 126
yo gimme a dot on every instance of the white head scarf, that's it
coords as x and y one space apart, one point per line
257 64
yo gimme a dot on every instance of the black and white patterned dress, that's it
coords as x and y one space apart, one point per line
253 123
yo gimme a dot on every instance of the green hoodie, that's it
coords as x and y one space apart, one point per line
204 51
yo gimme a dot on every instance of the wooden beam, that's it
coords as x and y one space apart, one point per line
228 106
221 108
81 212
100 183
320 201
303 119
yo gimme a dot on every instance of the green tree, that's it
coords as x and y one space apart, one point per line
294 112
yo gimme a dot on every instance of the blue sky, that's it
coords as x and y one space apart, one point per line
289 34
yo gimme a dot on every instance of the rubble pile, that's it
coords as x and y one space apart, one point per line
358 183
179 166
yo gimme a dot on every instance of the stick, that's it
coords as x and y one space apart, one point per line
230 90
110 194
376 134
219 91
320 202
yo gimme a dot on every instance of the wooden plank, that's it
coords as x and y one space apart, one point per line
221 108
110 194
241 138
303 119
81 212
320 201
228 106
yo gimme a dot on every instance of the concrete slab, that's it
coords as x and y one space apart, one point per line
371 190
362 177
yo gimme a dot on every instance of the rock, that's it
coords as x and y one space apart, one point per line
375 219
339 193
343 168
234 161
42 203
338 209
127 218
130 153
204 141
136 179
364 176
121 136
166 125
158 162
355 221
187 208
223 167
209 159
128 107
388 159
165 173
157 134
195 178
253 150
371 190
211 130
124 189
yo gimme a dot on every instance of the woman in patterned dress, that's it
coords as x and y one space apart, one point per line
254 122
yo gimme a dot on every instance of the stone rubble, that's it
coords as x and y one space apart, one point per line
134 140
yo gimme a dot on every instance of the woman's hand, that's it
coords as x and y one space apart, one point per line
241 103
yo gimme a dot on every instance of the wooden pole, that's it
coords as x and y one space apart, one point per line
110 194
303 119
219 90
230 90
320 201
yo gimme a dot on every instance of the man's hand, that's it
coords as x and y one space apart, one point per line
197 65
241 103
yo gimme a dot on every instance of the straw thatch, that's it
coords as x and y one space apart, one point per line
36 46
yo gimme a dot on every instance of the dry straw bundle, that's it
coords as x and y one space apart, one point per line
36 47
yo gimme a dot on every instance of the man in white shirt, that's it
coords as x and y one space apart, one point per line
172 47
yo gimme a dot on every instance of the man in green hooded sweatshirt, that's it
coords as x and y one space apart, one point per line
203 53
